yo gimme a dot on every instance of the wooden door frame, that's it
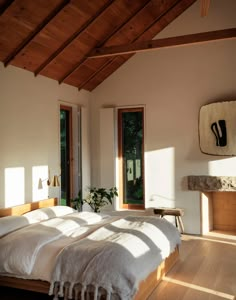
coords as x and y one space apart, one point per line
120 159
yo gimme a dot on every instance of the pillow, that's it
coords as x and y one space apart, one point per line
46 213
11 223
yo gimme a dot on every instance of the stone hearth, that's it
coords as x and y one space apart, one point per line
212 183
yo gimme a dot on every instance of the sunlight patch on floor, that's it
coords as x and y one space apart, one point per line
224 235
199 288
218 238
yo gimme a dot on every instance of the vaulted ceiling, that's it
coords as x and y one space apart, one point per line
57 38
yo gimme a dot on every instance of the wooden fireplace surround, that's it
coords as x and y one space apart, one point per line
218 211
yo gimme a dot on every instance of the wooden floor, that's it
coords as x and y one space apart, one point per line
206 270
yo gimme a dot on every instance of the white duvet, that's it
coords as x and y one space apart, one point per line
83 251
21 249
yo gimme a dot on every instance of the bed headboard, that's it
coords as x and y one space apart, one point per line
24 208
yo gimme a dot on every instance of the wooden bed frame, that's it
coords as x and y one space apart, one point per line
146 287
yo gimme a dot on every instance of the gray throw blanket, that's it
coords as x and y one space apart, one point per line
114 259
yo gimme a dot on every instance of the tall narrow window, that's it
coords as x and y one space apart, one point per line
66 140
131 157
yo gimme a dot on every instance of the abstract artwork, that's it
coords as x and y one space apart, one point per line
217 128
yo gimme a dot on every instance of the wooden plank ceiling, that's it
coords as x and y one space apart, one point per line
55 38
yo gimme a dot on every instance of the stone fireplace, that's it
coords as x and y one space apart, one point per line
217 202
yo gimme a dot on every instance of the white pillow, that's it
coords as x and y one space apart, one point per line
11 223
46 213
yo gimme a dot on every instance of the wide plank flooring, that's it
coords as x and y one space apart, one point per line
206 270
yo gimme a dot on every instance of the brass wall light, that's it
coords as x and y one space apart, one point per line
53 183
40 183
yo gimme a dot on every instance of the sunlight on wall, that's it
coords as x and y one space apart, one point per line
160 177
37 173
222 167
14 186
205 214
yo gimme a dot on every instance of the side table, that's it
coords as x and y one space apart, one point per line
176 212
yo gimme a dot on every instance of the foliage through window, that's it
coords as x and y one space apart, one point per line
131 157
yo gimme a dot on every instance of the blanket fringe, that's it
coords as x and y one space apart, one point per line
61 289
83 291
71 289
66 291
77 291
95 293
109 294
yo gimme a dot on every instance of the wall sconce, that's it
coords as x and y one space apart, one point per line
40 183
54 182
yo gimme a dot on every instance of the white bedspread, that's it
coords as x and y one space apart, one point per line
19 250
89 252
115 257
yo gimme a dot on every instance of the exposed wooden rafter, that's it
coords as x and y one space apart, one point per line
101 43
5 6
157 25
36 31
163 43
54 55
164 13
105 65
57 38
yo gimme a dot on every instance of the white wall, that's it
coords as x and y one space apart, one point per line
173 84
29 133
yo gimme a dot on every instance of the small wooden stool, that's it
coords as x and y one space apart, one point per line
176 212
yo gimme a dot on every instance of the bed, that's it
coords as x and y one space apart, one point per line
77 255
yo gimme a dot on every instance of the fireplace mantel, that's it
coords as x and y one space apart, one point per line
205 183
217 201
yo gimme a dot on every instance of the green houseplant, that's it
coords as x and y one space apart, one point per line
99 197
96 198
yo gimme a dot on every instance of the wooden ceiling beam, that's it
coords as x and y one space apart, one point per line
165 19
163 43
95 73
54 55
36 31
5 6
101 43
163 15
106 64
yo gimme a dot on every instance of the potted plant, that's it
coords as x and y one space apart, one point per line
98 197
